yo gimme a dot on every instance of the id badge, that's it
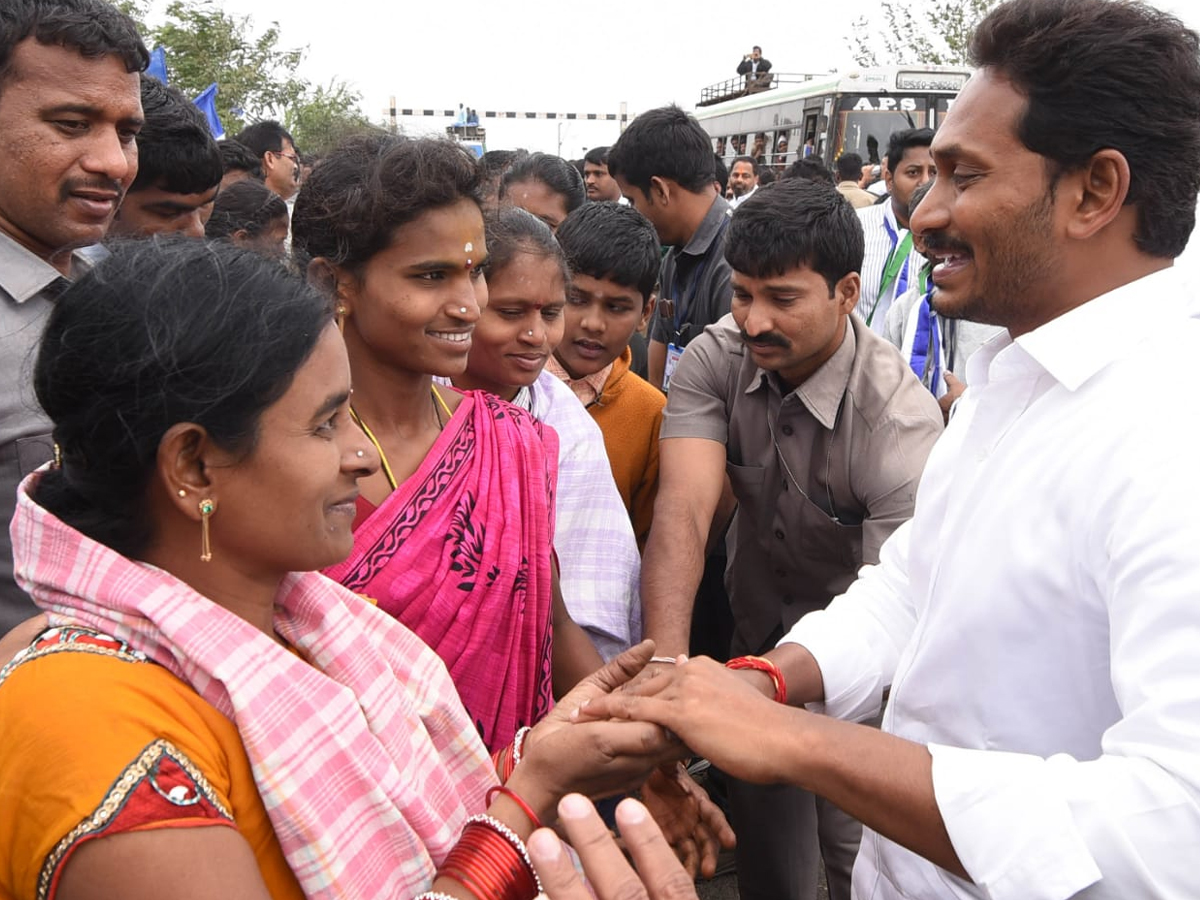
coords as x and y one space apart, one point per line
674 351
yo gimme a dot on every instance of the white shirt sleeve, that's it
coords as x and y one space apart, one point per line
858 638
1126 822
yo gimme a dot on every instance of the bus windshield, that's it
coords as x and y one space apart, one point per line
866 132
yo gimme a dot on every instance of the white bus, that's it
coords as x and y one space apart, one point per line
824 116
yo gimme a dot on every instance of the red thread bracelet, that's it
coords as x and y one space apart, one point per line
515 798
760 664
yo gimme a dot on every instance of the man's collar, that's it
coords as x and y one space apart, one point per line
710 227
1076 345
823 390
22 272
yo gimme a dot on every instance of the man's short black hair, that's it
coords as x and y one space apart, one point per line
795 223
745 159
237 157
614 242
263 136
597 156
1098 75
92 27
809 169
849 167
901 142
667 143
720 173
176 152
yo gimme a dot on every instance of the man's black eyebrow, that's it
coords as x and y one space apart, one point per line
85 109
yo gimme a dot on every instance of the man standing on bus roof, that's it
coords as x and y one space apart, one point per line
743 180
754 65
890 265
665 167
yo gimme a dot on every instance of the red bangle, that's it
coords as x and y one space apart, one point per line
490 862
515 798
760 664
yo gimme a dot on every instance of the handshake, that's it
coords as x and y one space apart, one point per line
676 830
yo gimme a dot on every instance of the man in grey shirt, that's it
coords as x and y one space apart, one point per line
70 111
823 431
664 164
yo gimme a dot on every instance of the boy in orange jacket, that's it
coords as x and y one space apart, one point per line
614 255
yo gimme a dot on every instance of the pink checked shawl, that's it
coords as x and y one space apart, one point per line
460 553
363 755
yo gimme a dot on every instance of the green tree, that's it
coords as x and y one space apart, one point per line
253 74
908 32
325 116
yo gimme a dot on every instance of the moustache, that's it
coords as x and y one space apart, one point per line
769 339
101 185
938 244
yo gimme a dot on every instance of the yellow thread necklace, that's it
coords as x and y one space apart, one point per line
387 469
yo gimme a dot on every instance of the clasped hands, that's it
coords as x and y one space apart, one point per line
697 706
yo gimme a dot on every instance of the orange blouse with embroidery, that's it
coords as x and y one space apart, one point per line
99 741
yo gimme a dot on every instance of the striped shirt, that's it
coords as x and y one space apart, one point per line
882 233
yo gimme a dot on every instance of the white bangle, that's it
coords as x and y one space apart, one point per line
519 743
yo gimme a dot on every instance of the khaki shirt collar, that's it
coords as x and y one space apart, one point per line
823 390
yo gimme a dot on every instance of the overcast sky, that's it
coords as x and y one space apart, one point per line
555 56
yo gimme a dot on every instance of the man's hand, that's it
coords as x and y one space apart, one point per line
693 825
659 875
697 701
954 390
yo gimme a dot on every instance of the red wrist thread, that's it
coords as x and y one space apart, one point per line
761 664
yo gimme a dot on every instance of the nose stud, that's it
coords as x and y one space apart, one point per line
462 310
360 453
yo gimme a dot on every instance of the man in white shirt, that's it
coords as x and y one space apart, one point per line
743 180
890 265
1036 620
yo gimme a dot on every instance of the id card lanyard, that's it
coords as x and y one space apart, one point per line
895 266
683 305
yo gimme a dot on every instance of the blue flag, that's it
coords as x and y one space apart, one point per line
207 103
158 64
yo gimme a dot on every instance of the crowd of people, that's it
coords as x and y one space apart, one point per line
371 518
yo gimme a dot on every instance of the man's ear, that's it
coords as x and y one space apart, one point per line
1096 193
648 311
660 191
845 292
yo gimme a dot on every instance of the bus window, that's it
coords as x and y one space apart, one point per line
866 132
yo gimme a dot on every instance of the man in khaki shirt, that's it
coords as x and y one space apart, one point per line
823 431
849 171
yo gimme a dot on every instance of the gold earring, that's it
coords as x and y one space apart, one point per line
207 507
182 492
339 313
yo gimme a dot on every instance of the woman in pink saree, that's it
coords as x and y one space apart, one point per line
454 533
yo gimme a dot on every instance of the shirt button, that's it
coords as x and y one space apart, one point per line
779 533
788 430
